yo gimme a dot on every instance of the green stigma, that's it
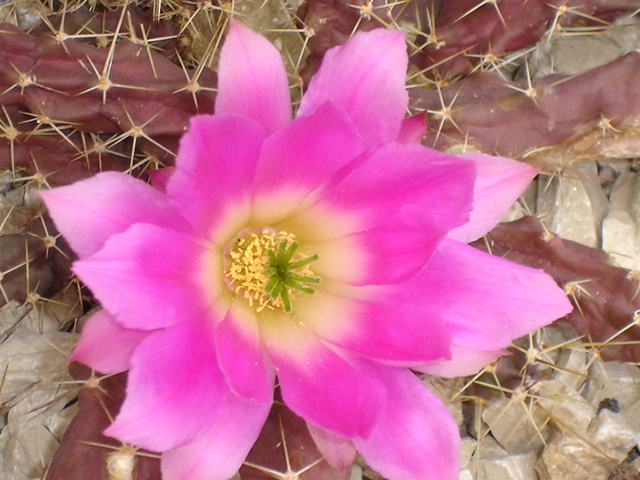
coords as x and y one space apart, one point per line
283 275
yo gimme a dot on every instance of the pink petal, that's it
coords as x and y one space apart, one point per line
397 175
240 354
413 129
338 451
105 345
252 81
219 453
149 277
397 248
215 167
320 386
464 362
487 301
396 327
499 184
88 212
302 156
366 77
160 177
174 391
416 437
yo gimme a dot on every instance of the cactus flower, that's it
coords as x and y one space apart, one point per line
327 252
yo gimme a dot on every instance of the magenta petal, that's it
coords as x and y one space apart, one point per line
416 437
325 140
148 277
322 387
105 345
338 451
413 129
488 301
215 167
88 212
174 390
367 81
240 354
219 453
397 175
464 362
398 247
252 81
396 328
499 183
160 177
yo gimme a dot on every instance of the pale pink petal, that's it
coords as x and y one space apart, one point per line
416 437
488 301
174 389
302 156
320 386
220 452
160 177
413 129
339 452
464 361
367 81
148 277
398 175
252 81
397 327
215 167
240 354
88 212
499 183
105 345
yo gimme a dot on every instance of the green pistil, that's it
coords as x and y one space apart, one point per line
282 276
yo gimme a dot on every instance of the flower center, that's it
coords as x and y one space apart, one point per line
267 269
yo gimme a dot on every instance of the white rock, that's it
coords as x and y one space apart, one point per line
565 207
611 434
513 467
516 426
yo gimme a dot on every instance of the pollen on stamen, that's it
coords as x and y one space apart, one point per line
266 268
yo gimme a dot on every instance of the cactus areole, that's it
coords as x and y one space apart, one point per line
328 251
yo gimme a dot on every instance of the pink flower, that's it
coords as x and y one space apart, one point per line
327 251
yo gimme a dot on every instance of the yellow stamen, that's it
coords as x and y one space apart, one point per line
252 273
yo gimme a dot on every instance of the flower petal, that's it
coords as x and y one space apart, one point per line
488 301
240 354
413 129
88 212
338 451
398 175
320 386
367 80
105 345
499 183
215 167
252 80
464 362
396 249
300 157
219 453
174 390
394 327
416 437
160 177
148 277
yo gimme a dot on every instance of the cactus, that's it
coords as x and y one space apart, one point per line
122 104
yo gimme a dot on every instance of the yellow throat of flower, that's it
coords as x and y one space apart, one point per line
266 268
